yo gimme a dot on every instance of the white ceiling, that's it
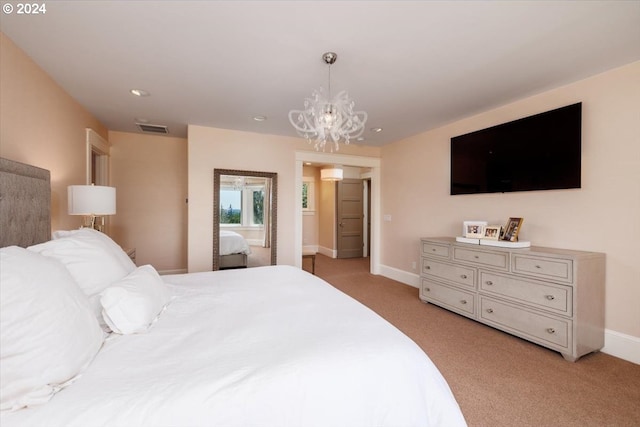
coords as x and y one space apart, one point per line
412 66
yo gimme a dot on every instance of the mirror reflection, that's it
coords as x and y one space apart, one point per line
244 219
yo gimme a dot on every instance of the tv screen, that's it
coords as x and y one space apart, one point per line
540 152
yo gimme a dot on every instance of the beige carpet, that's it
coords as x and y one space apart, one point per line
498 379
259 256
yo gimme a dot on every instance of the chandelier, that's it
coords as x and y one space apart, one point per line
324 118
238 183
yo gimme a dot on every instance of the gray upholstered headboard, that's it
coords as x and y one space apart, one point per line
25 204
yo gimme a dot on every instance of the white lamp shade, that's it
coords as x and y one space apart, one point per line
91 200
332 174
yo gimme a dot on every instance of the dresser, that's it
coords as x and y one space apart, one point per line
552 297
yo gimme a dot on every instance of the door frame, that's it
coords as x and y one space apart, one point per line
346 160
97 147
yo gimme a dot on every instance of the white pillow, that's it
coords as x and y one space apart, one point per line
48 333
88 258
92 236
132 304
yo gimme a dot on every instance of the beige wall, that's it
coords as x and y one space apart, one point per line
310 223
603 216
150 174
211 148
40 124
327 219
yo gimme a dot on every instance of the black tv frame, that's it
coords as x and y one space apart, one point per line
539 152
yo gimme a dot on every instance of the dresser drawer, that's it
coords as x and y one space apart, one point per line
449 298
548 268
537 327
461 275
547 296
435 249
496 259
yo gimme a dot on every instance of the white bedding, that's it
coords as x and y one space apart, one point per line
268 346
233 243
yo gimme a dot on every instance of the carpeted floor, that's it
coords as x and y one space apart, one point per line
498 379
259 256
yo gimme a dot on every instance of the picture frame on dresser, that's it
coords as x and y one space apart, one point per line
492 232
473 229
512 228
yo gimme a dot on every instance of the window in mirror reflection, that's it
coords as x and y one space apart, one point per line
258 206
242 201
230 206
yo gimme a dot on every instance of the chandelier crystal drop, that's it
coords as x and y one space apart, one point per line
324 119
238 183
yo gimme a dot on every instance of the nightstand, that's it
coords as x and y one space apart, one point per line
132 254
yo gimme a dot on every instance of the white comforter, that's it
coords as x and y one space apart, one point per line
268 346
233 243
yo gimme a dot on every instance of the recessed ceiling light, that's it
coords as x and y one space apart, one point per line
376 130
307 163
260 118
139 92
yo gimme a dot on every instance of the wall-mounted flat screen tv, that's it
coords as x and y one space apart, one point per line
540 152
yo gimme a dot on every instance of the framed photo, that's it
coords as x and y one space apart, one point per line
512 229
474 229
492 232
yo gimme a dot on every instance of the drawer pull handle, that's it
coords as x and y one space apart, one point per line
433 249
489 310
464 301
489 282
476 256
428 267
551 330
550 297
464 276
537 266
427 289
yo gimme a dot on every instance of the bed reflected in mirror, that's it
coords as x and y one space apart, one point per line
244 218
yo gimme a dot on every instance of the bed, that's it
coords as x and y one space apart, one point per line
266 346
234 250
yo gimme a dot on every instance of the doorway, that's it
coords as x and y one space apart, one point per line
374 164
97 155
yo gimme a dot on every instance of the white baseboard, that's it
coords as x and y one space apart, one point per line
327 252
401 276
620 345
616 344
310 248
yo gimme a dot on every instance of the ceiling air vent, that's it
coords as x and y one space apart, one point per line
158 129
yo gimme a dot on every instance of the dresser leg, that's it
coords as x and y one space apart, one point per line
568 357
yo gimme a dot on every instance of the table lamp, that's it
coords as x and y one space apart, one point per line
92 201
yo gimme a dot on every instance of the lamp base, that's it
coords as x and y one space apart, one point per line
93 221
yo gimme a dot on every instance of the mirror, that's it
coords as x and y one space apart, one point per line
244 215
